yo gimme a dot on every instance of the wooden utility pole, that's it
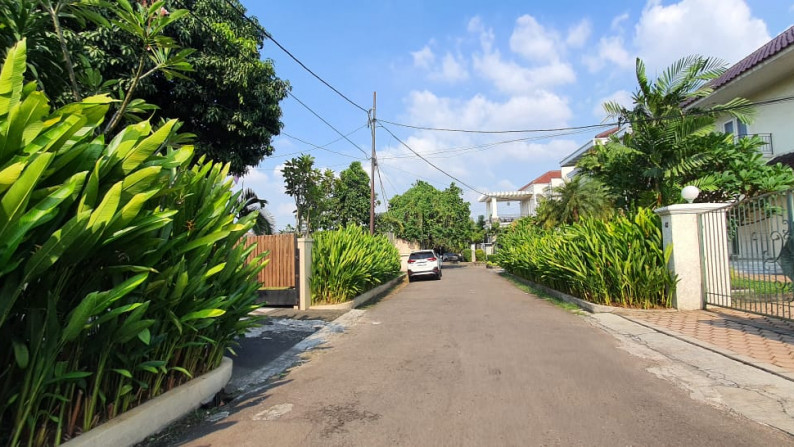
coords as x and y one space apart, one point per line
373 163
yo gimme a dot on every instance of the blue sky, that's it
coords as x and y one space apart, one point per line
497 65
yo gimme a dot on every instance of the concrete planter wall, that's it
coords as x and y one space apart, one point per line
152 416
364 297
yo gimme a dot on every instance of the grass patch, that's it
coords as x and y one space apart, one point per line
570 307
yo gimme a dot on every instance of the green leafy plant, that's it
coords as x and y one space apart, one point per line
617 262
348 262
121 272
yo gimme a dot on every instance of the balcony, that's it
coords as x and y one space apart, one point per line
766 147
506 218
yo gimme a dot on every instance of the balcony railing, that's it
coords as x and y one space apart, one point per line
506 218
766 148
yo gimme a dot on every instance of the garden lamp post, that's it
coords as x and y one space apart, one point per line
690 193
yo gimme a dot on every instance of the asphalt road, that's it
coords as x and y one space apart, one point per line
470 360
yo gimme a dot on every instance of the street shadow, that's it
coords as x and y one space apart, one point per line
200 423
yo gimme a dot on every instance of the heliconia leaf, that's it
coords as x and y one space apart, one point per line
123 372
78 318
145 336
143 150
206 313
13 202
21 353
106 209
11 78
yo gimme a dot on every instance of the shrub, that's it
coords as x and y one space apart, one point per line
617 262
467 255
121 275
480 255
348 262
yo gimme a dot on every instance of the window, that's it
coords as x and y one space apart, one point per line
735 127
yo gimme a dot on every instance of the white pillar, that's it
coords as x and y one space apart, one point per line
473 252
495 214
681 227
304 272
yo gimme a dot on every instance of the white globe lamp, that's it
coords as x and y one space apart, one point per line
690 193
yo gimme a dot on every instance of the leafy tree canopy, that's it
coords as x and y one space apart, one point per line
431 217
646 166
352 196
203 67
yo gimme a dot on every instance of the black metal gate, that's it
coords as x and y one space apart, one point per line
748 255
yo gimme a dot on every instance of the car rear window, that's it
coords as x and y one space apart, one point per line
422 255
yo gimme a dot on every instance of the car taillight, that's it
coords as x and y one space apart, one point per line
431 259
411 261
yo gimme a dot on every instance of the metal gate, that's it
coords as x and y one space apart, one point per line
279 279
748 255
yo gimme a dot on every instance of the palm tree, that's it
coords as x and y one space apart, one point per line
576 199
661 123
265 223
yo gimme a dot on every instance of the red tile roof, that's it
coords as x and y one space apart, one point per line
607 132
766 52
543 179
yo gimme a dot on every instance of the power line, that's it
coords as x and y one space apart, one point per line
441 129
480 147
590 126
429 162
325 146
382 189
270 36
327 123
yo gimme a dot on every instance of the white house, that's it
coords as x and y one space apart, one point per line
521 203
568 164
766 78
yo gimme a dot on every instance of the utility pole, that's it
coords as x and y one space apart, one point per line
374 162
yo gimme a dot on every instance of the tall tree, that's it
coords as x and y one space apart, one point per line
302 181
643 167
575 199
230 102
264 223
431 217
351 196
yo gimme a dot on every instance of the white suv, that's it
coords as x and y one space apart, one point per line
424 263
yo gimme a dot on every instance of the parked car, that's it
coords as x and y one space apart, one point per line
451 257
424 263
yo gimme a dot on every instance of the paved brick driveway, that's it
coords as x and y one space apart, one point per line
763 339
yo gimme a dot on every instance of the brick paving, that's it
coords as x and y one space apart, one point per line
765 339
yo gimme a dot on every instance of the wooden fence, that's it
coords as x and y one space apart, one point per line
281 270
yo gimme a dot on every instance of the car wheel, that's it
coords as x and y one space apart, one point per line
410 279
438 277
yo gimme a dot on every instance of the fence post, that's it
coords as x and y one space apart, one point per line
305 269
690 254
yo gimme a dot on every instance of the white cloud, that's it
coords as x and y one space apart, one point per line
533 41
542 109
451 70
579 33
621 97
719 28
510 77
617 22
424 57
611 52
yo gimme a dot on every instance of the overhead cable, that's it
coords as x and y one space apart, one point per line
270 36
429 162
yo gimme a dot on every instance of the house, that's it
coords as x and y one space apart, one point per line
764 78
521 203
568 164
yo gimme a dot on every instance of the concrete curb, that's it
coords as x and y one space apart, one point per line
749 361
363 298
154 415
586 305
